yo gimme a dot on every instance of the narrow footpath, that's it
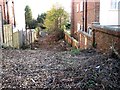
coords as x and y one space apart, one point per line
52 67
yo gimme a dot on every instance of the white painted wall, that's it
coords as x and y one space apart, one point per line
19 14
108 16
20 19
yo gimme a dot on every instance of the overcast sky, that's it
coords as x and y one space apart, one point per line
41 6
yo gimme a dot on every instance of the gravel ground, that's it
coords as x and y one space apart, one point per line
88 70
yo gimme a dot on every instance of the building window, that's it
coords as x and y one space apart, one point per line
89 31
77 7
114 4
78 27
82 28
119 6
81 6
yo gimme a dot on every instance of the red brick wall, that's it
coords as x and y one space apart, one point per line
105 39
4 10
1 3
93 9
77 17
11 11
97 11
71 41
85 40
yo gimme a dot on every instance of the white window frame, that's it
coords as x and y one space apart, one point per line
89 30
81 6
119 5
78 27
82 28
114 4
77 8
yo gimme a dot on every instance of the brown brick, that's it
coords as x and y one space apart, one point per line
77 17
105 39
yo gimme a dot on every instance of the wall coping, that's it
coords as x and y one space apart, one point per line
109 29
85 33
72 38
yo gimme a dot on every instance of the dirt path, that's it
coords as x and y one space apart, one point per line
53 65
52 42
51 69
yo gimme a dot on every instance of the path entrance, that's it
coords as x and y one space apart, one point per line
51 42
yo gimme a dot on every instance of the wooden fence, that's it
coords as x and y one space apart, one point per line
11 39
8 36
30 36
19 38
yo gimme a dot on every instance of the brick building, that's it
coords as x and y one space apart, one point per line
95 23
106 35
2 7
8 11
13 19
84 12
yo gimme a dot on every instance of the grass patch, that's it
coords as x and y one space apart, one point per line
75 51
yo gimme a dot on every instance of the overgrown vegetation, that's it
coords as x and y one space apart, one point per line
33 23
28 16
56 19
41 19
53 20
75 51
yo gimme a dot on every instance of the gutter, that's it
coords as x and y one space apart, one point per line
85 15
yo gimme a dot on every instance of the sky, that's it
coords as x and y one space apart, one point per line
41 6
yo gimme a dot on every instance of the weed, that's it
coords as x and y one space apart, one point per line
75 51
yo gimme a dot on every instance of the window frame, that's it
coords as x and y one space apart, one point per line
114 4
77 7
81 6
78 27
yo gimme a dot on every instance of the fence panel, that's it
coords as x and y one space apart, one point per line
16 43
12 39
8 35
31 36
17 38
